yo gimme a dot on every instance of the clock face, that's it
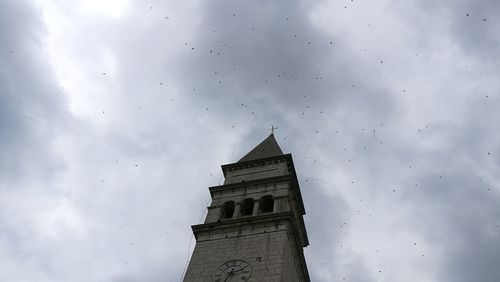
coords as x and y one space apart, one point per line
232 271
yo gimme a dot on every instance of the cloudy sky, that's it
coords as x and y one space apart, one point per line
116 115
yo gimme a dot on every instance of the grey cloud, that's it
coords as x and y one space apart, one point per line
461 213
472 25
31 112
31 105
251 49
266 49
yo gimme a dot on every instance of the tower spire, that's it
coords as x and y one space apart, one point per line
267 148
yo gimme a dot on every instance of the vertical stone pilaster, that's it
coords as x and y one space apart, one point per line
256 205
236 213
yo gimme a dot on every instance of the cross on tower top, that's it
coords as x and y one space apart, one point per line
272 128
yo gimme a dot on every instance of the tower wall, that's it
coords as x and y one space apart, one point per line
265 246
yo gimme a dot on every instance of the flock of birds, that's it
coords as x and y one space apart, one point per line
280 77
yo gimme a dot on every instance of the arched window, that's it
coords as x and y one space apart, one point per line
228 209
246 207
266 204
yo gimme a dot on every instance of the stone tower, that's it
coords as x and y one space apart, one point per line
254 229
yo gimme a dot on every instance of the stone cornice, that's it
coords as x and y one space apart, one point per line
213 189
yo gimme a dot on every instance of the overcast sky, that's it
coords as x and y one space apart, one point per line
116 115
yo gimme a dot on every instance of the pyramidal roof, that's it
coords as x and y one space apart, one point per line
267 148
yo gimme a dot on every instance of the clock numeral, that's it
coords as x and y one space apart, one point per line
244 278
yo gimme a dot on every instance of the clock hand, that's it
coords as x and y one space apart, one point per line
229 274
239 270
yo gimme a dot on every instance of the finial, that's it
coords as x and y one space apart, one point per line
272 128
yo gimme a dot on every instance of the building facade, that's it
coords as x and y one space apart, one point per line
254 228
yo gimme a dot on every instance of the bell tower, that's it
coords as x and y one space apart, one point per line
254 229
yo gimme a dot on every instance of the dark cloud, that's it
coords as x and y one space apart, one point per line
272 63
460 214
31 114
31 104
474 26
